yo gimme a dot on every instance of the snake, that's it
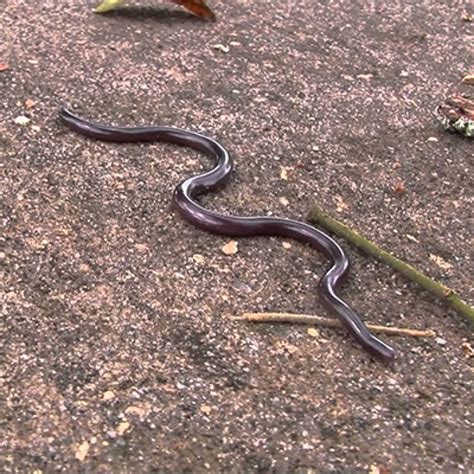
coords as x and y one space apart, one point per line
185 202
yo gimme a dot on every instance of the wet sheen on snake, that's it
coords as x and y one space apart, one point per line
211 221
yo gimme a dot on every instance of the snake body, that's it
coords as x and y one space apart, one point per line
184 199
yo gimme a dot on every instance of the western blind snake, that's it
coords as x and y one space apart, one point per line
211 221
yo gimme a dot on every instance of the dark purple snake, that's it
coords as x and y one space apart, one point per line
211 221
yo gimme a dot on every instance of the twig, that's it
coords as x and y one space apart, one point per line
317 216
334 323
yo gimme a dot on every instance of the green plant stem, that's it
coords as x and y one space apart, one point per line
317 216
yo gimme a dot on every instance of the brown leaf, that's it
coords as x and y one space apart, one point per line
467 349
29 103
198 7
3 67
399 187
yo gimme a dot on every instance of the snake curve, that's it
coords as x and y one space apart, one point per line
214 222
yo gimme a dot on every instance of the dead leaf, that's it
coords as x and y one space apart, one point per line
440 262
341 205
134 410
3 67
468 79
108 395
285 346
141 247
284 174
198 258
82 450
198 7
284 201
222 48
29 103
230 248
412 238
379 469
399 187
22 120
467 349
206 409
286 245
122 427
313 332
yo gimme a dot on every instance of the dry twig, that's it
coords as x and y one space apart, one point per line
334 323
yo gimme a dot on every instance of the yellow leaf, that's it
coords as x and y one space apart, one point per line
313 332
107 5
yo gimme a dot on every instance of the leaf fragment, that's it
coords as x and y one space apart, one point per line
29 103
399 187
82 451
108 395
222 48
107 5
122 427
198 7
468 79
440 262
22 120
230 248
198 258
